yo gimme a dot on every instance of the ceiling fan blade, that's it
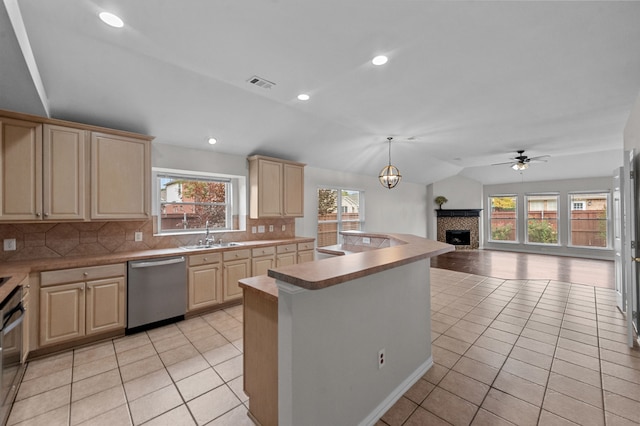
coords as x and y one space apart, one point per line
507 162
539 159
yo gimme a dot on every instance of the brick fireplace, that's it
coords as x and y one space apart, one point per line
460 227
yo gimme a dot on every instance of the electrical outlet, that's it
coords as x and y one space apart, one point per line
9 244
261 229
270 228
253 229
366 240
382 358
284 228
138 236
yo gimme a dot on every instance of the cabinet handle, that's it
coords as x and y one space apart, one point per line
37 214
205 259
86 274
46 215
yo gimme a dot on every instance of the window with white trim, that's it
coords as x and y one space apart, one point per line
189 203
339 209
589 223
542 218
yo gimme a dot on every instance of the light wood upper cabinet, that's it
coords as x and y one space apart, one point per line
65 177
276 188
120 177
20 170
43 171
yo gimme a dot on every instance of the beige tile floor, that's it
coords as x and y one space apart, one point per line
505 352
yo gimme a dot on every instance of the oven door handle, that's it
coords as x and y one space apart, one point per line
7 328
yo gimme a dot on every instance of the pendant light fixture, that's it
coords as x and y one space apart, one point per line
390 175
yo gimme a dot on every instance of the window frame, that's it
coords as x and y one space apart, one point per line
608 220
516 219
235 186
339 207
526 218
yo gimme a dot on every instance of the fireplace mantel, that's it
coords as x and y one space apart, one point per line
458 213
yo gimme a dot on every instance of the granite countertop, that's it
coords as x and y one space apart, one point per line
327 272
19 270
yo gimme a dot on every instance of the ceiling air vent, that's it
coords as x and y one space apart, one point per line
261 82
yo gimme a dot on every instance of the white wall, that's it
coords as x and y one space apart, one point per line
398 210
632 129
562 187
461 193
328 343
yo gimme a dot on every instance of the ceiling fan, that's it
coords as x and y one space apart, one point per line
521 161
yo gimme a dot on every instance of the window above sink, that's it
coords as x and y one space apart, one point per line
186 202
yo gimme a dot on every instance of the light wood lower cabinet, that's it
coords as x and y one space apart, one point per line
236 266
26 322
305 252
205 281
71 309
286 255
262 259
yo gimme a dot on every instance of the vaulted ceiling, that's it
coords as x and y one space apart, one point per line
466 85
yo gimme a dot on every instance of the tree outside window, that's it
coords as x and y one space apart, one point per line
542 219
190 203
338 210
503 218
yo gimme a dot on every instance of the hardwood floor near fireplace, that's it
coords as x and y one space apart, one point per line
510 265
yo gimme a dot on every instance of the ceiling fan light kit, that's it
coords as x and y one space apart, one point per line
521 161
390 175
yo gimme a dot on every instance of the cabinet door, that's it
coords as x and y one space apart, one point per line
61 313
20 170
293 190
105 302
305 256
64 165
285 259
269 188
233 272
120 177
205 287
260 265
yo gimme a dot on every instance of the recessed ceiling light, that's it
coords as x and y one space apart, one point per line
111 19
379 60
212 141
303 97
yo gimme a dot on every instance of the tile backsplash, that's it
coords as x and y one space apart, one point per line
67 239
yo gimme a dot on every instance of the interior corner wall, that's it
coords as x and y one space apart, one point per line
398 210
562 188
461 193
632 129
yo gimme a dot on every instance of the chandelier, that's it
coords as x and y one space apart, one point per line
390 175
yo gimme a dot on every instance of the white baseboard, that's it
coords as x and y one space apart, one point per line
397 393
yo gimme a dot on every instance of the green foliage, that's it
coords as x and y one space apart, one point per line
503 203
541 231
502 233
440 200
327 201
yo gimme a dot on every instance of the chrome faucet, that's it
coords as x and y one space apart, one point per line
208 239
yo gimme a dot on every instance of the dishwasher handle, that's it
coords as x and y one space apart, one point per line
152 263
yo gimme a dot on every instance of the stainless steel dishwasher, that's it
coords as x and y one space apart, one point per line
156 292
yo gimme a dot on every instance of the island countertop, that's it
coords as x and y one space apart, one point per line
324 273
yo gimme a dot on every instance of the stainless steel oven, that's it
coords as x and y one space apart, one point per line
11 367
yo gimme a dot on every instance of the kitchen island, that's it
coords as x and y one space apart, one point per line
352 332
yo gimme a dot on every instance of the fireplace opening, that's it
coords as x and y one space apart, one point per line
459 237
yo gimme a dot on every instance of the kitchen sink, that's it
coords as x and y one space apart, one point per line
210 246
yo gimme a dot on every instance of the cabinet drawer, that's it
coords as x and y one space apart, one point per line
287 248
305 246
263 251
204 259
236 254
81 274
